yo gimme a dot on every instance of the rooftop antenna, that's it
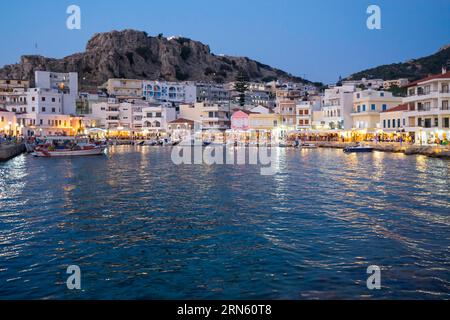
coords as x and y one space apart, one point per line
36 47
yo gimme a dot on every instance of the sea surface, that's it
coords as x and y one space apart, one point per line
140 227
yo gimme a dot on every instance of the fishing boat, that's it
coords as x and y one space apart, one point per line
358 149
62 146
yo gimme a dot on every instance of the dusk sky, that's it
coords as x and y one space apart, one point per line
319 40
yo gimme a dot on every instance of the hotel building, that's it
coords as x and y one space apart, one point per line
367 106
428 108
174 92
337 108
156 117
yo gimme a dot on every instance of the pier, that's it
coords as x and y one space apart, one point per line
9 151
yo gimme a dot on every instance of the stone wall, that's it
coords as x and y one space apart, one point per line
8 151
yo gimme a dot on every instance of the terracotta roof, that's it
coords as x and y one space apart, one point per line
181 121
432 77
402 107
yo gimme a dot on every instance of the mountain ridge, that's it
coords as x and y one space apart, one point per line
412 69
136 55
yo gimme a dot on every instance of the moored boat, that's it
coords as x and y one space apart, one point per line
61 146
358 148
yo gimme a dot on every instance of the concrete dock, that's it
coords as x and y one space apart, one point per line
9 151
429 151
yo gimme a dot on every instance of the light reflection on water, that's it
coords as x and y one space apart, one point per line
141 227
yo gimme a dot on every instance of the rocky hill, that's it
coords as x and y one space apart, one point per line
136 55
414 69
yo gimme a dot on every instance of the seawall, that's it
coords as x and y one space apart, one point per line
9 151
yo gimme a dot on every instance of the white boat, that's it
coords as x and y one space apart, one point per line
62 146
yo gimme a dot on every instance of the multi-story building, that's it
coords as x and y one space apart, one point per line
304 111
337 107
63 86
286 106
428 108
14 101
175 92
367 106
212 93
213 116
156 117
124 88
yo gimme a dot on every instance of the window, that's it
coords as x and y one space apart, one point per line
373 107
419 122
158 114
41 122
389 123
384 123
384 108
381 94
33 99
404 122
358 108
445 105
436 122
393 123
53 100
398 123
43 109
446 123
53 110
43 99
364 108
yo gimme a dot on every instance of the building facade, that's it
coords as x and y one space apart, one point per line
367 106
175 92
337 107
428 108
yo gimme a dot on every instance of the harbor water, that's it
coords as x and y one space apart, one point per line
141 227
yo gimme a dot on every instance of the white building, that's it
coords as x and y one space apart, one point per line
337 107
304 111
175 92
65 84
394 119
156 118
428 108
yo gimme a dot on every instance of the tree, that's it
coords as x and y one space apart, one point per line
241 86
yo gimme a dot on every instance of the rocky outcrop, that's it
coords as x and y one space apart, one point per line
134 54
